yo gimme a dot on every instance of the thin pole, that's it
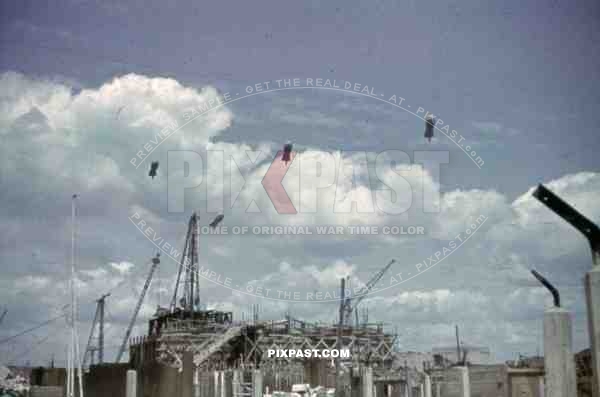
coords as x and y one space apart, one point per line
72 365
197 268
338 383
457 347
74 337
70 317
72 347
69 370
101 333
78 356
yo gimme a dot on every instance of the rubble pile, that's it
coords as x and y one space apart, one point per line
11 384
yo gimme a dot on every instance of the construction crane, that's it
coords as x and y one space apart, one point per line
189 268
350 306
98 320
155 262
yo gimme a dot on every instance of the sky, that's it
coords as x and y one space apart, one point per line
85 85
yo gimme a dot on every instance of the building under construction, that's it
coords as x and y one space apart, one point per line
216 342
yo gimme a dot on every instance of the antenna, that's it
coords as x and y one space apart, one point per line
457 346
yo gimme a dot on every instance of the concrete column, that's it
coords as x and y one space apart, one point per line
228 376
187 378
438 387
592 295
465 384
427 391
559 361
379 389
237 379
257 383
131 387
405 389
216 382
355 386
421 390
222 384
541 386
366 381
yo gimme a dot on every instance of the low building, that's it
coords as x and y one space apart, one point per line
474 354
414 360
496 380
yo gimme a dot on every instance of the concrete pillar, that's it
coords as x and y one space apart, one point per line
237 379
222 388
228 376
379 390
427 391
355 386
559 361
438 387
257 383
216 382
465 384
592 295
131 387
541 386
187 378
405 389
366 381
421 390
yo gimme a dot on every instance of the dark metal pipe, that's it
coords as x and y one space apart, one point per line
550 287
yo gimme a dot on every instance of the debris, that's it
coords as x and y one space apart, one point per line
119 112
217 220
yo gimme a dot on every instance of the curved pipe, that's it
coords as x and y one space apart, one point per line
550 287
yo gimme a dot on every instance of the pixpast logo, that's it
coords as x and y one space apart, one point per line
315 172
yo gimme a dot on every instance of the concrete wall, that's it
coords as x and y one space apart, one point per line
525 383
488 380
105 380
46 391
448 382
153 380
48 376
156 380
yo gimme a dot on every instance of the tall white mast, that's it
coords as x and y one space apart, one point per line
75 358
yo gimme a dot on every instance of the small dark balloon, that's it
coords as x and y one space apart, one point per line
287 151
429 123
153 168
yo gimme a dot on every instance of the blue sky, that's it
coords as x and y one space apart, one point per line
519 81
525 67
